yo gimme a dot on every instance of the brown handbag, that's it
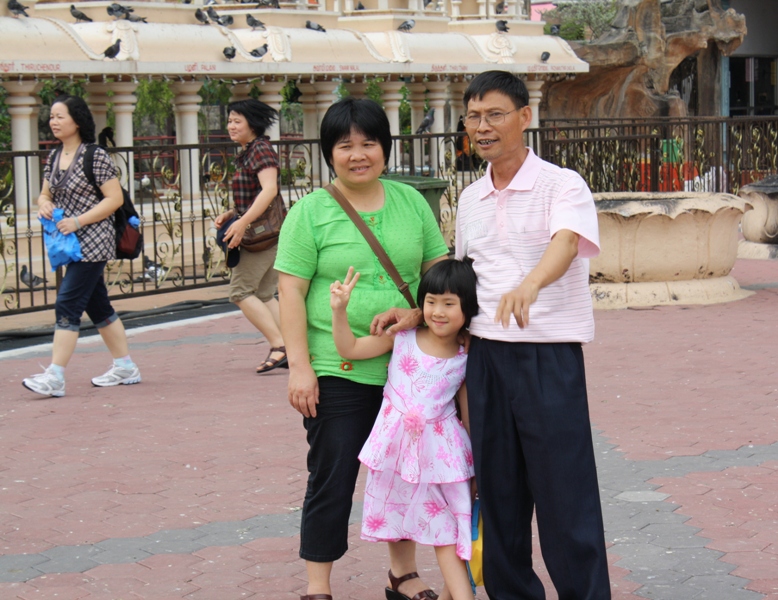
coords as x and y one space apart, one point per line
263 233
371 239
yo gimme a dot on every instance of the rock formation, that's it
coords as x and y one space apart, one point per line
631 65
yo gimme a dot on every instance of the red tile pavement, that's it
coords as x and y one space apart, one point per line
204 440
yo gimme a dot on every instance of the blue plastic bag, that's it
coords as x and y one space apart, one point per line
62 248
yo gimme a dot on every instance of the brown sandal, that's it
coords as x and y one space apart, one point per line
274 363
393 593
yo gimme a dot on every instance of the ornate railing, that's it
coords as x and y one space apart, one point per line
178 190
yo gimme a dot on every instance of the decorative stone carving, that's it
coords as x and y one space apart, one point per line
631 65
666 248
760 226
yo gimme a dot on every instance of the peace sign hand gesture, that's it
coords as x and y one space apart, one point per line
340 293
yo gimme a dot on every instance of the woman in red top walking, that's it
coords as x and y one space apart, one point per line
255 185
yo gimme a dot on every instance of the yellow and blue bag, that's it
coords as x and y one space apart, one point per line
475 566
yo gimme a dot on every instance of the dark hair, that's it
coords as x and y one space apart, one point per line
360 114
498 81
454 277
81 115
259 115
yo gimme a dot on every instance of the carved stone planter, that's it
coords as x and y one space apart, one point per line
666 248
760 226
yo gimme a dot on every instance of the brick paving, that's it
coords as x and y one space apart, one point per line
189 485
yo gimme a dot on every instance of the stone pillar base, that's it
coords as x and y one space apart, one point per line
746 249
666 293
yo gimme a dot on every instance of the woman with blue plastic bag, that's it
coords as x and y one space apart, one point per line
90 218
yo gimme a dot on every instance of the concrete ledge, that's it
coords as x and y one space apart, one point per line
746 249
666 293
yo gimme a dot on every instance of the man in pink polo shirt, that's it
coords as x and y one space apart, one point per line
530 227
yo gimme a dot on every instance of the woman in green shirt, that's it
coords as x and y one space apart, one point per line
339 399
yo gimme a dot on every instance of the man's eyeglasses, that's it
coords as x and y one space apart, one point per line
492 118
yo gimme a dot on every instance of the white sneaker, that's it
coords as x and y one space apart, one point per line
117 375
46 383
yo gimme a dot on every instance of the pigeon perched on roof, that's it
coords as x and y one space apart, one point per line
360 6
500 8
502 26
17 9
78 15
117 11
254 23
314 26
28 278
268 4
112 51
259 52
135 19
226 20
213 15
426 122
229 52
202 17
406 26
554 30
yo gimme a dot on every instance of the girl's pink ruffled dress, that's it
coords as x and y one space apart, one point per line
419 454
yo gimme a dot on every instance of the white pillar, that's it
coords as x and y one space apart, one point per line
271 95
535 96
124 101
357 89
326 96
310 126
392 96
437 92
416 98
21 102
187 106
458 108
240 91
98 103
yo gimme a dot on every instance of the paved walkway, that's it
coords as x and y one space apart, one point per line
189 485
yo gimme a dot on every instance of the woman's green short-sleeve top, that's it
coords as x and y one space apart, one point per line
319 242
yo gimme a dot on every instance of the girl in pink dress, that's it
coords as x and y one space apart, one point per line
418 453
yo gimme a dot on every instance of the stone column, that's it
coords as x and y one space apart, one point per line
392 96
187 106
271 95
326 96
240 91
21 102
535 95
416 98
456 103
438 94
124 101
98 103
357 89
308 99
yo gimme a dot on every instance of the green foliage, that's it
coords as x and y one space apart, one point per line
155 104
5 122
405 113
215 92
52 89
576 17
373 90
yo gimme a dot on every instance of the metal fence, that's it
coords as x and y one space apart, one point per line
178 190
